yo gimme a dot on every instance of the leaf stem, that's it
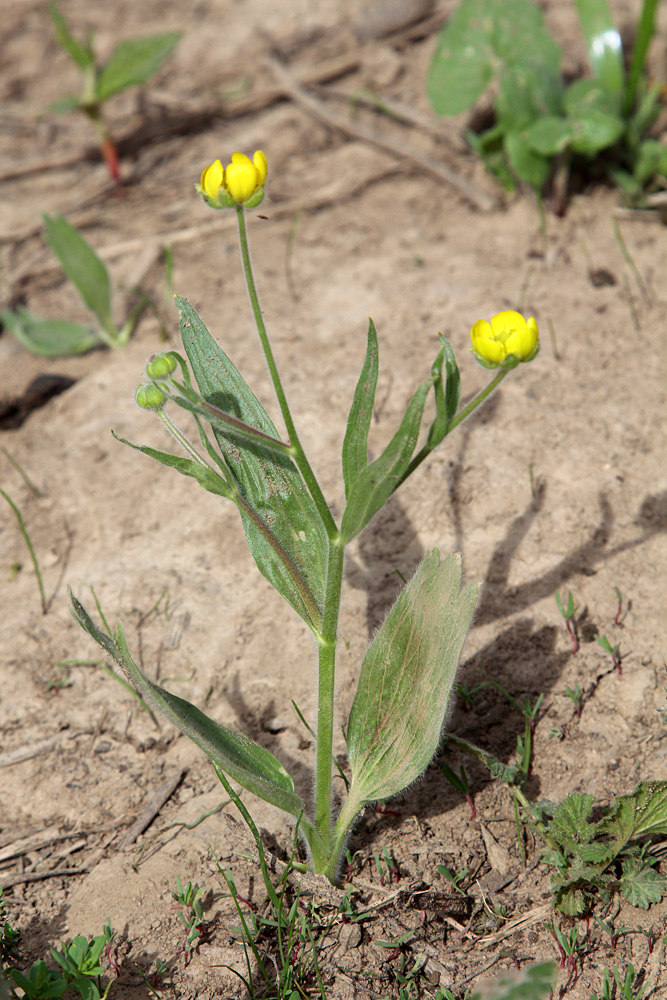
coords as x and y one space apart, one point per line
299 454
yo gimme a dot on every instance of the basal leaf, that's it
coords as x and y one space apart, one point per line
82 266
255 768
528 165
355 444
50 338
270 482
549 136
133 61
406 680
373 487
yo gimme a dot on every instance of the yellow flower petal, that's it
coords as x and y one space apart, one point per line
259 159
241 179
212 178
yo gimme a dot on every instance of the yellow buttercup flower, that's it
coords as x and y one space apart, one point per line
241 182
506 340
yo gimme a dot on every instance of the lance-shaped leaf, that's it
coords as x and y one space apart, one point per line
355 445
52 338
270 482
406 681
603 41
207 478
133 61
82 266
372 488
238 756
447 391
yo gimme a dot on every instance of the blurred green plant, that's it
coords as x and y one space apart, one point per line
131 63
544 127
53 337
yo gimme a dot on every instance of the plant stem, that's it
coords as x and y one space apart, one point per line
326 691
299 454
459 418
478 400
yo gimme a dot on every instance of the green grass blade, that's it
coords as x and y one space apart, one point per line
26 536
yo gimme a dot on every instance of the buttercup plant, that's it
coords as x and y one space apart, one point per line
408 673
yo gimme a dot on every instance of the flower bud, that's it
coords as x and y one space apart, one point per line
504 342
160 365
241 182
150 397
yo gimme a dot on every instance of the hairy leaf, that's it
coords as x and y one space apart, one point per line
406 681
355 444
642 885
255 768
372 488
270 482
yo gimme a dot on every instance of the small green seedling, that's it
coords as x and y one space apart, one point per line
83 267
545 128
460 783
619 616
189 911
614 652
8 936
568 614
623 987
386 866
452 878
576 697
569 946
614 933
131 64
469 695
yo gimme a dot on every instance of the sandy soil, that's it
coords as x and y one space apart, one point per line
560 482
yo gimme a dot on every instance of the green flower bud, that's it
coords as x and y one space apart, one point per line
150 397
160 365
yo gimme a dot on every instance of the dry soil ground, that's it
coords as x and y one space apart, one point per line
559 483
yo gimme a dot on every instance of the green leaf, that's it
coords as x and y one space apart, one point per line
549 136
642 885
528 165
527 93
603 42
447 393
478 41
595 132
82 266
50 338
133 61
82 55
63 105
355 445
255 768
509 773
534 983
645 32
205 476
639 814
570 825
373 487
406 681
270 482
